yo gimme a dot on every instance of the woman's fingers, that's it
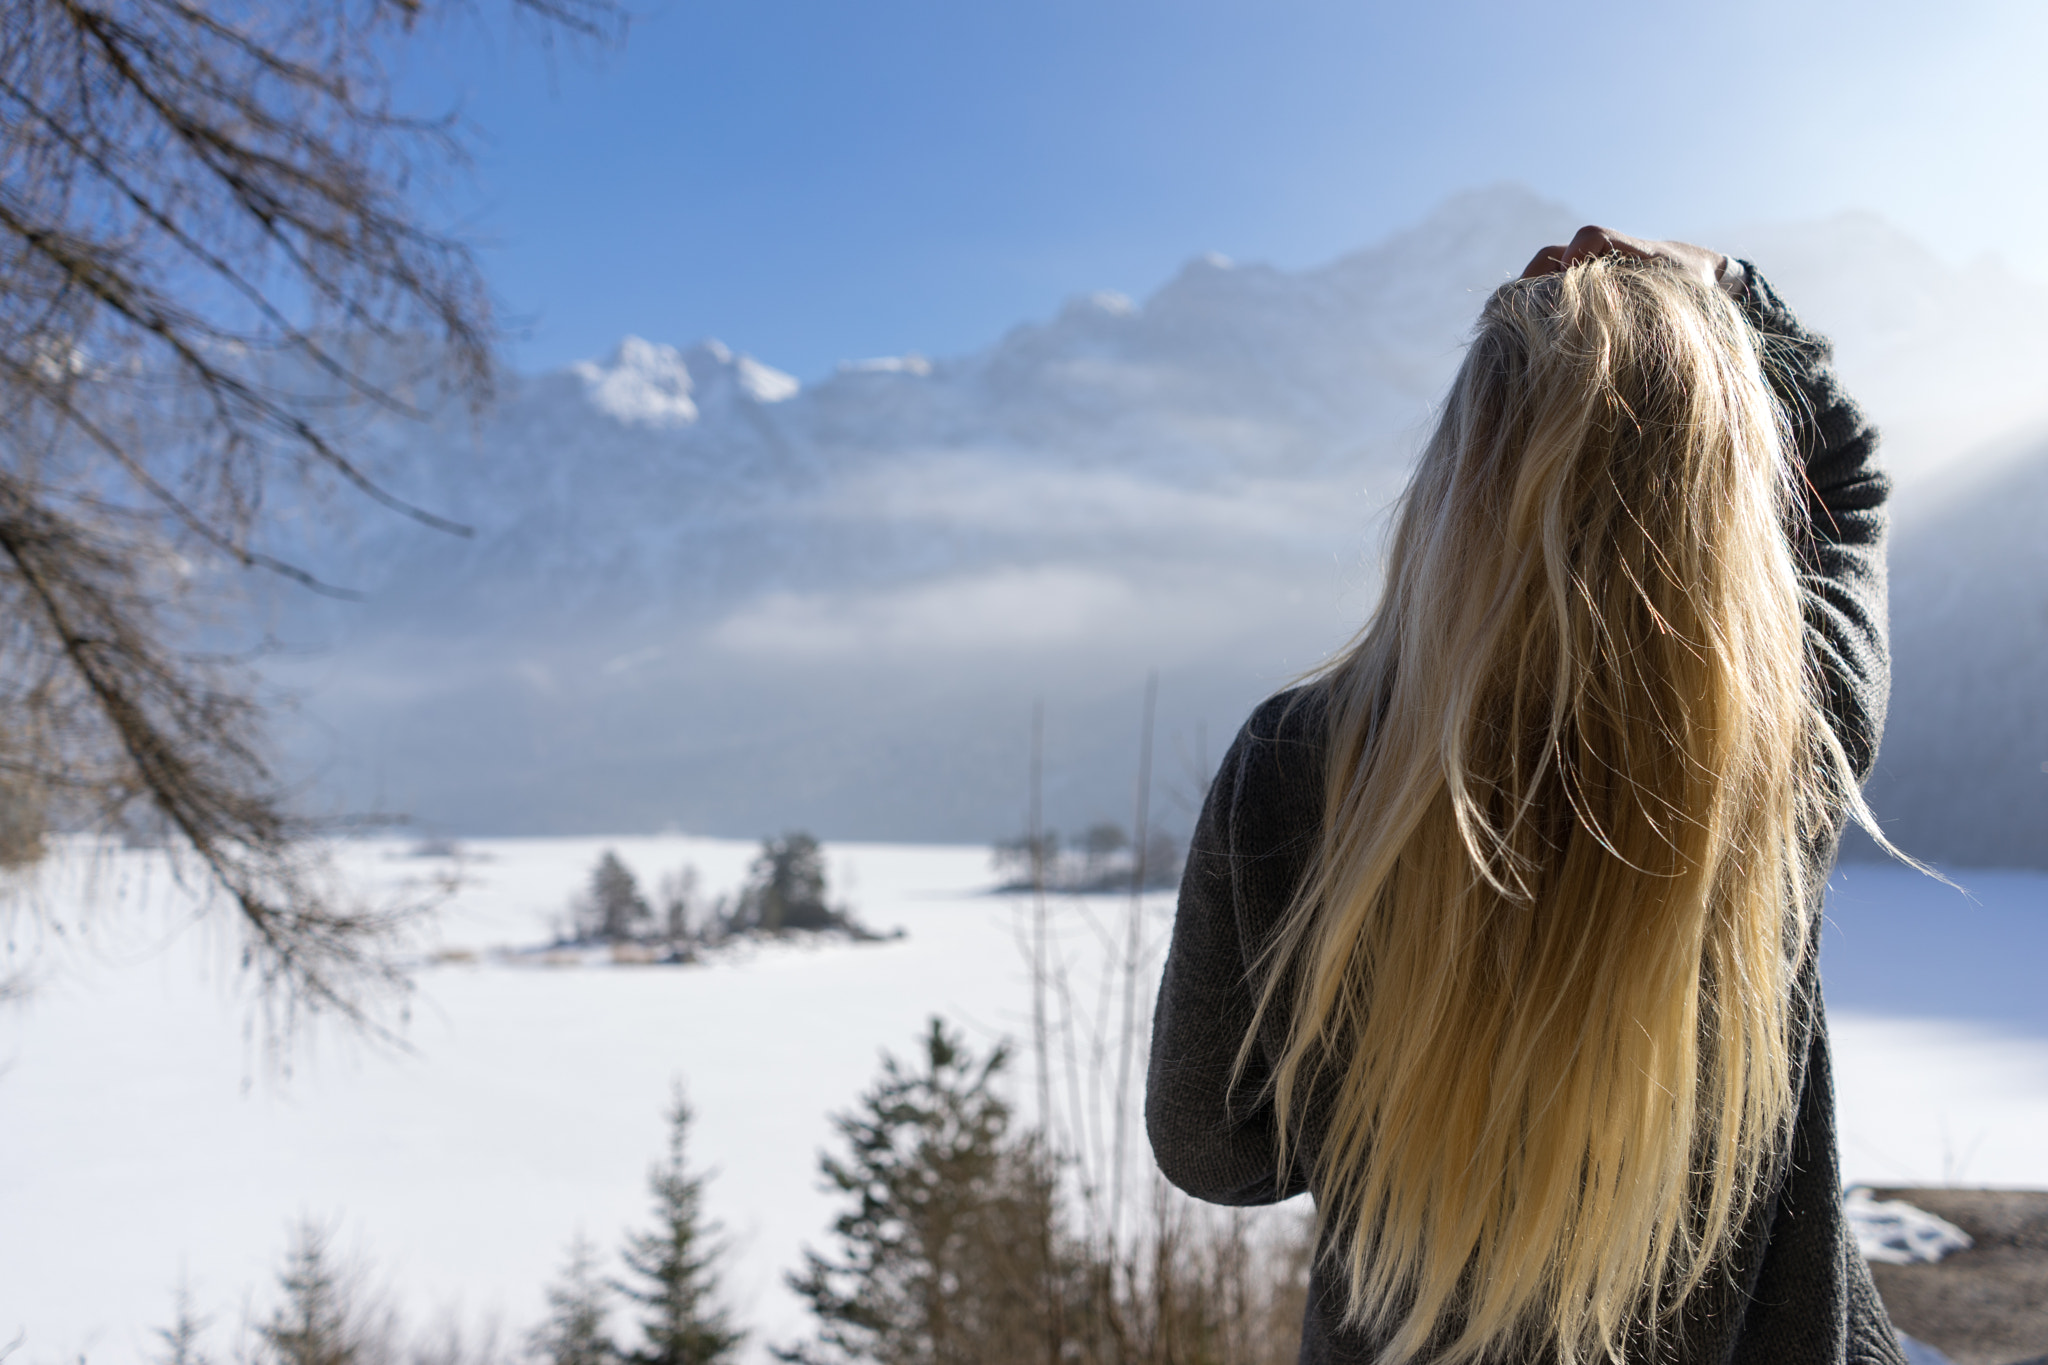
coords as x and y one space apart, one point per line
1710 267
1548 261
1590 241
1585 244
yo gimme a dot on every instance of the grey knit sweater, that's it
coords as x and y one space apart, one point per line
1796 1291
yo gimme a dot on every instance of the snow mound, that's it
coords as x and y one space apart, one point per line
1896 1233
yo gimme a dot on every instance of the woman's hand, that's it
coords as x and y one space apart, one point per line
1708 267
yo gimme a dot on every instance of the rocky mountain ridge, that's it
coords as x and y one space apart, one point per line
704 595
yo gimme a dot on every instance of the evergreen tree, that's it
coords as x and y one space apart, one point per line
671 1266
947 1254
611 908
318 1322
181 1338
574 1333
786 887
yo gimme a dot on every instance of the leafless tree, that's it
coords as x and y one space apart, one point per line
214 262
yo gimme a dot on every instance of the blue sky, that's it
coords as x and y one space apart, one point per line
815 180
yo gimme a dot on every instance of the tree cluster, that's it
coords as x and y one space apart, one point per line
947 1248
954 1246
1102 860
671 1279
611 909
325 1314
785 893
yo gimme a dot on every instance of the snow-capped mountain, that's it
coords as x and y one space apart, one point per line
703 595
1963 775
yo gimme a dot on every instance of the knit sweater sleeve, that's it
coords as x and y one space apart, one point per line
1842 554
1212 1125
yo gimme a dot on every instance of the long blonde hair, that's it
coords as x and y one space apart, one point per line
1539 984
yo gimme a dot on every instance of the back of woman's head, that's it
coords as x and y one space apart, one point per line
1539 984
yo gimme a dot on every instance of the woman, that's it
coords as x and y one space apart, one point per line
1499 934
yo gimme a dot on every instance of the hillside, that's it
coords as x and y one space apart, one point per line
1964 771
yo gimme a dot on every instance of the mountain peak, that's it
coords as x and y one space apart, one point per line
652 384
642 383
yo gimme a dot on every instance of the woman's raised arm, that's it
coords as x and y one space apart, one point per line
1843 561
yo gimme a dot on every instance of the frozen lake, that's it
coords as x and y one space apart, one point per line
144 1138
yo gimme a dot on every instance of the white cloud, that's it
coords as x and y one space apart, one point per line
1008 609
912 364
1063 616
964 491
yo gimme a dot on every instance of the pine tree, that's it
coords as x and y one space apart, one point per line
611 907
949 1252
670 1266
317 1324
786 887
181 1338
574 1333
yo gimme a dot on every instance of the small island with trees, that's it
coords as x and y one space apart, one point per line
785 897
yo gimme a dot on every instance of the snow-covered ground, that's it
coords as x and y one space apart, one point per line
143 1137
1939 1020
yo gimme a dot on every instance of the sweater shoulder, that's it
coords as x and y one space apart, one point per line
1275 800
1287 729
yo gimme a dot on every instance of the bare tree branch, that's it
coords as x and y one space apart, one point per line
213 270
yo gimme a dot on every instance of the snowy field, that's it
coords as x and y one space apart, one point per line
144 1137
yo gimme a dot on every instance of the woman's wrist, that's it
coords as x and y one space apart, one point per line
1733 277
